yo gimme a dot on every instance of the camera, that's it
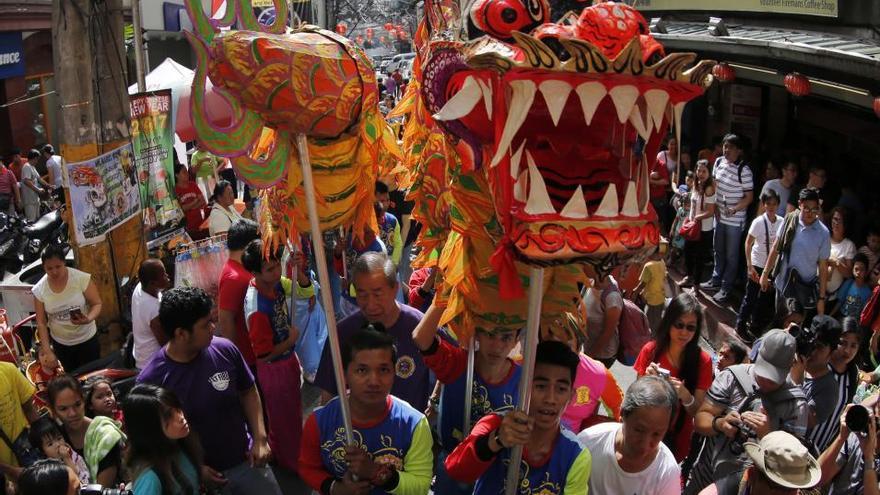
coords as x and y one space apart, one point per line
100 490
804 339
743 435
857 419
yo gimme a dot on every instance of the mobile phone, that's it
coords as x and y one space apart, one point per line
76 313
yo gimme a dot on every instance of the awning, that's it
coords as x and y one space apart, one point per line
828 56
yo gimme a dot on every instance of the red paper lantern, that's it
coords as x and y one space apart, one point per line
388 26
369 33
341 28
877 106
797 84
724 72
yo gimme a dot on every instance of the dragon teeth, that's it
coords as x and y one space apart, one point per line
522 96
486 89
555 94
630 202
576 208
656 100
539 200
515 160
519 189
624 97
608 207
590 95
461 102
644 182
635 118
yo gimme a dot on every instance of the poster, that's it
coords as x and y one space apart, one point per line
153 140
825 8
103 194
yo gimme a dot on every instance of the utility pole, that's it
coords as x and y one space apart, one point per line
90 78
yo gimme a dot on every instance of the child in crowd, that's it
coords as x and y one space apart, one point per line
269 313
872 250
389 226
855 292
652 282
100 399
45 368
45 435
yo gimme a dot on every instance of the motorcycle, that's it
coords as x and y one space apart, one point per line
22 243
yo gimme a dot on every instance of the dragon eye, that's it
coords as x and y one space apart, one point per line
500 18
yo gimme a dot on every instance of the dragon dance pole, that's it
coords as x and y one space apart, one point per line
324 279
469 389
536 294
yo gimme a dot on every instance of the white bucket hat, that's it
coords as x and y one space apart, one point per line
785 460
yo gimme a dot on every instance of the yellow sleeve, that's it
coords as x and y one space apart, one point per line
24 389
578 477
418 464
645 276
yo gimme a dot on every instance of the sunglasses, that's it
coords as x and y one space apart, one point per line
681 326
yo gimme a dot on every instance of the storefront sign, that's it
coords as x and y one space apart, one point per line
103 194
826 8
745 112
153 140
11 55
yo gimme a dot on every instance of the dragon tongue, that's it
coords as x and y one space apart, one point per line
522 96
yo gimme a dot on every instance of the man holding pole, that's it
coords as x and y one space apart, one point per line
555 462
392 440
375 279
495 381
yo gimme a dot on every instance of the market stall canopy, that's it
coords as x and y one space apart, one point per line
171 75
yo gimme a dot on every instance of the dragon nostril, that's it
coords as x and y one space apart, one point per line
542 144
508 15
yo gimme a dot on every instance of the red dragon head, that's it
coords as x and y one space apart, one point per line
565 108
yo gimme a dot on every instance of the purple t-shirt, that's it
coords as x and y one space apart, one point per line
209 388
411 381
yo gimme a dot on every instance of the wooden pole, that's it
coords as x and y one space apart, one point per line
324 279
530 345
93 118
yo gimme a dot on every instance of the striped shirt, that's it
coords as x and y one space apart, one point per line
730 187
823 433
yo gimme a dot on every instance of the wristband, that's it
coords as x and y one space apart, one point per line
690 403
498 439
714 428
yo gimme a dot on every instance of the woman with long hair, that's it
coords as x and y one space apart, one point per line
843 252
48 477
163 455
99 441
845 369
702 211
675 354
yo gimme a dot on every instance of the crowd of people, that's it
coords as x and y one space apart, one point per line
788 407
27 182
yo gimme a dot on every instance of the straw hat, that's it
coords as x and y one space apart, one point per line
784 460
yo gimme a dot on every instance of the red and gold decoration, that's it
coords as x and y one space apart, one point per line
797 84
724 72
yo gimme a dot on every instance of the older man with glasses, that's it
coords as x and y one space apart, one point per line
802 246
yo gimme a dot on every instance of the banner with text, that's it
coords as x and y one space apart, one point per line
103 194
826 8
153 141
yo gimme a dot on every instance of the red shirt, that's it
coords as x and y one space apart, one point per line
234 280
660 191
186 194
704 381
